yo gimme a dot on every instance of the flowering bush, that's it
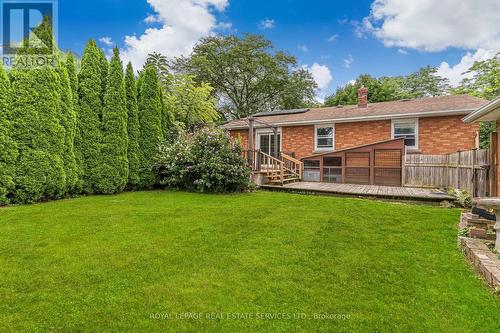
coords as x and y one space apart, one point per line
206 161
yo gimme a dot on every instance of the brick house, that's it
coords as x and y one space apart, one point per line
428 125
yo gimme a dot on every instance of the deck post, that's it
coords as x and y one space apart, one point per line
276 148
251 147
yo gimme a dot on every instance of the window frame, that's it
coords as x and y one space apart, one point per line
267 130
316 127
406 121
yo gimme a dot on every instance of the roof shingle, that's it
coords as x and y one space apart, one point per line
422 107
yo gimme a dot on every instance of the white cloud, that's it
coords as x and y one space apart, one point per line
302 47
321 74
224 26
430 25
106 41
348 61
152 18
333 38
456 73
433 26
402 51
183 24
266 24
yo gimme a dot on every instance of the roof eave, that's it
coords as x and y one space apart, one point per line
483 113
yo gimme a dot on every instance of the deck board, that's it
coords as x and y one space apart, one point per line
366 190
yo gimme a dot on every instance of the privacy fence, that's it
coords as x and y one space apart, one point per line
465 170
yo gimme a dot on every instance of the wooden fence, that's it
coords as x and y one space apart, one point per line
466 170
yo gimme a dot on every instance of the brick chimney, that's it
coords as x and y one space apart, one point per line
363 97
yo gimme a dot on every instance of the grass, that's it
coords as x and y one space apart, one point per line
271 262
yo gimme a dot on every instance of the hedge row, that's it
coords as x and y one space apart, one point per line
65 132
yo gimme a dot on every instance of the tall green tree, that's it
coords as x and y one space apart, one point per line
484 80
133 130
8 148
103 68
89 137
114 167
150 120
36 107
248 75
73 77
192 105
68 122
423 83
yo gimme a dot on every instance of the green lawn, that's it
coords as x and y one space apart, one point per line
110 263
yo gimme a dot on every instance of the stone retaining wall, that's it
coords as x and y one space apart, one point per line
483 259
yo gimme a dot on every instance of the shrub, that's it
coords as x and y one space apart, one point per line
462 197
207 161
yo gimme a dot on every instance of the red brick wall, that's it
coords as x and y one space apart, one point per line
298 139
444 135
437 135
360 133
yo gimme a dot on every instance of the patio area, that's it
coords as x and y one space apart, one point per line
388 192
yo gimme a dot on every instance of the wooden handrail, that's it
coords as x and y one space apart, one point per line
296 165
275 168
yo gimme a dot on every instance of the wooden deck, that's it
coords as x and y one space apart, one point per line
388 192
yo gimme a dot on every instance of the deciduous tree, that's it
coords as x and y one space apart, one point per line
247 74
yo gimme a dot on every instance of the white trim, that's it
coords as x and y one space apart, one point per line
267 130
316 137
415 121
483 111
368 118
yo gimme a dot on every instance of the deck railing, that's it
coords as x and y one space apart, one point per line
276 169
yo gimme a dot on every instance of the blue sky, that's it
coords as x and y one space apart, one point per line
336 40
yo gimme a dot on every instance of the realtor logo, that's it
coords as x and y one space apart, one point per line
28 23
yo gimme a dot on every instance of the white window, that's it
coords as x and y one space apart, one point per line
407 129
324 137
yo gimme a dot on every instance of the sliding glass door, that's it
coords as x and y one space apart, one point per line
265 143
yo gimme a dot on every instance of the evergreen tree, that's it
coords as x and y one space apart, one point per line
73 77
132 127
8 149
150 119
114 168
68 121
103 67
36 107
88 138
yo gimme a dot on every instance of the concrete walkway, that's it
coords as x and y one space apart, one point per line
392 192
